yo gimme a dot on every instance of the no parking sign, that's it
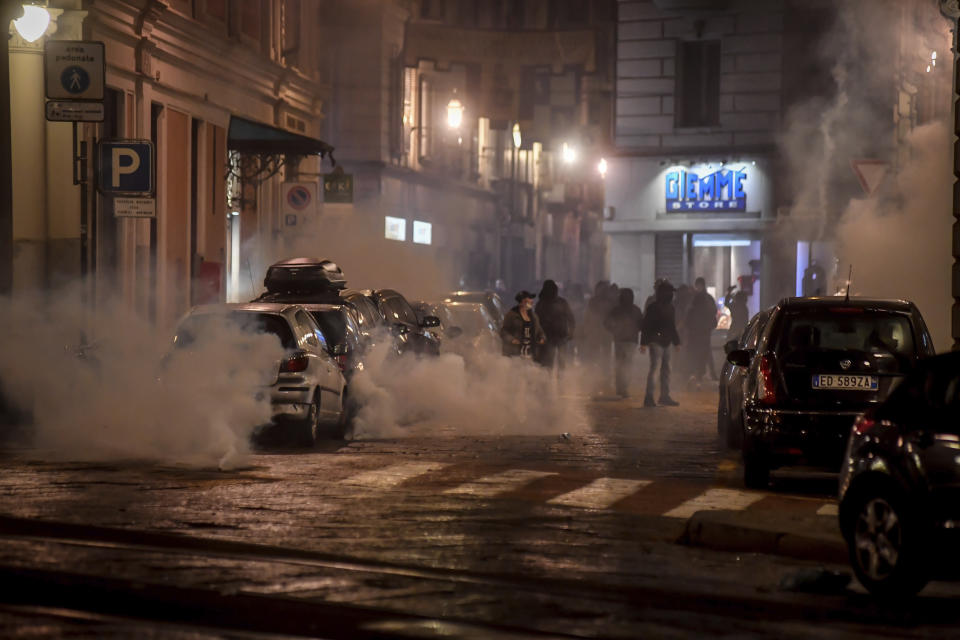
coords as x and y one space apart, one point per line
298 199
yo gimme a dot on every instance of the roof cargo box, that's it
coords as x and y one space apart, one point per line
304 275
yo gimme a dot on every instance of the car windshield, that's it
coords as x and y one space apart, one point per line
855 329
209 325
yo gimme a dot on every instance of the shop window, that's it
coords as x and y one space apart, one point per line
698 84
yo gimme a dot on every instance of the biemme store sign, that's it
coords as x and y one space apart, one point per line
721 190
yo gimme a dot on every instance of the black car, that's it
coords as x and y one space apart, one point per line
411 334
820 362
900 483
369 319
732 377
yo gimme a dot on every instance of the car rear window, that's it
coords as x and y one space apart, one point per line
867 331
333 325
209 325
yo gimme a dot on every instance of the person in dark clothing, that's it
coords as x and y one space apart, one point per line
701 321
557 321
595 345
521 330
624 324
739 313
659 333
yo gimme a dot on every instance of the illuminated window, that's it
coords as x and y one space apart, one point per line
422 232
395 229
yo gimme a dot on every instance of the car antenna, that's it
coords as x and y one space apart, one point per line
849 280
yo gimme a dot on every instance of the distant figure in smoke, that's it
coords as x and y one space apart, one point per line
521 330
596 344
558 324
624 324
659 333
739 313
701 321
813 280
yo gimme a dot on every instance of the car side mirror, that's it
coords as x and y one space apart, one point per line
400 329
453 332
729 346
430 321
740 357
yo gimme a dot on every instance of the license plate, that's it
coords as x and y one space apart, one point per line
845 382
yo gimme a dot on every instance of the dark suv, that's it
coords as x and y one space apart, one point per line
818 364
900 483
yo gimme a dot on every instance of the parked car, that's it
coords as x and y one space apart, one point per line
368 316
306 389
412 335
820 362
448 326
900 483
732 377
490 299
466 326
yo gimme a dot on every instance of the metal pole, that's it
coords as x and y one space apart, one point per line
8 11
951 10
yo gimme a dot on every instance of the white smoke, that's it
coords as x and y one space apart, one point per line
122 400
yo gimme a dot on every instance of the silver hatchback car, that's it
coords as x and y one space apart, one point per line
306 388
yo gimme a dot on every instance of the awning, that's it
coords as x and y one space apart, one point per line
247 136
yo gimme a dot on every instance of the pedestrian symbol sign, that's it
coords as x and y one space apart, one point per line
74 70
75 80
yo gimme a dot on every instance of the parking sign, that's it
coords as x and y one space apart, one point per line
126 166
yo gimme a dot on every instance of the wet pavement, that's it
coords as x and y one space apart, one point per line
504 536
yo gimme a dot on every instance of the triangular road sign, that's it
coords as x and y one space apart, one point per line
870 173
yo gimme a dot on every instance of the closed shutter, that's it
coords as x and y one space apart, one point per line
669 257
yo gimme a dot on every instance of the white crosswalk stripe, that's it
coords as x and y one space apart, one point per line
600 494
715 499
393 475
490 486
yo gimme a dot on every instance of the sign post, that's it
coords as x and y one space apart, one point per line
74 72
127 172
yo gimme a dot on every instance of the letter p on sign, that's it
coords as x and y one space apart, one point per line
123 168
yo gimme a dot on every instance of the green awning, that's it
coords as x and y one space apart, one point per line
247 136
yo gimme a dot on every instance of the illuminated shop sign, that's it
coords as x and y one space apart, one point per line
718 191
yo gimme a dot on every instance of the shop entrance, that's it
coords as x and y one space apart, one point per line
726 260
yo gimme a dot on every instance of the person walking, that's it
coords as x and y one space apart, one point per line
521 330
701 321
558 324
624 324
659 334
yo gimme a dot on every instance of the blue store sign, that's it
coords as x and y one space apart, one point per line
718 191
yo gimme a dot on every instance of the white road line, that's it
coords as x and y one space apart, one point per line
715 499
490 486
393 475
600 494
829 510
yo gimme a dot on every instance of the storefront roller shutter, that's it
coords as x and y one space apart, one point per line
669 257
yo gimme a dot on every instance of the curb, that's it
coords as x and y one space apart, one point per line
718 530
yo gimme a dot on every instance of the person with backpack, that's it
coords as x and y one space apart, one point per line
558 322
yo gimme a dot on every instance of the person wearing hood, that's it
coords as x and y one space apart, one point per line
624 324
557 321
521 330
659 333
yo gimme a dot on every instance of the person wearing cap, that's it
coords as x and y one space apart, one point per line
521 330
659 333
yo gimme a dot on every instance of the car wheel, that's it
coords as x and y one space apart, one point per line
311 431
756 471
885 539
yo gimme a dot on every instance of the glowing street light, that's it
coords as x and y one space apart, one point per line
454 113
33 24
568 153
602 167
517 140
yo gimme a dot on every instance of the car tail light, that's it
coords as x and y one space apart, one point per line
863 424
296 362
766 384
341 361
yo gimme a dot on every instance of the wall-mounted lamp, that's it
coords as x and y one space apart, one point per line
454 113
602 167
568 153
34 22
517 140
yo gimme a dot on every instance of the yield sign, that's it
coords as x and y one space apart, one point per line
870 173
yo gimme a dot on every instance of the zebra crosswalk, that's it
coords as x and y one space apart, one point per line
671 498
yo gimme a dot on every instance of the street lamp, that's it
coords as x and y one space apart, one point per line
454 113
568 153
33 24
602 167
517 140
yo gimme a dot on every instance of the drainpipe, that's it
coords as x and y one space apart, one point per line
951 10
8 11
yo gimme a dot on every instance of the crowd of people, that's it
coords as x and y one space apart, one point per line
605 331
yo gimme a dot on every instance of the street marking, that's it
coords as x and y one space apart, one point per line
714 500
829 510
393 475
602 493
490 486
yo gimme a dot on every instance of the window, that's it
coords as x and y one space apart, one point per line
422 232
399 310
395 228
432 9
698 88
309 329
